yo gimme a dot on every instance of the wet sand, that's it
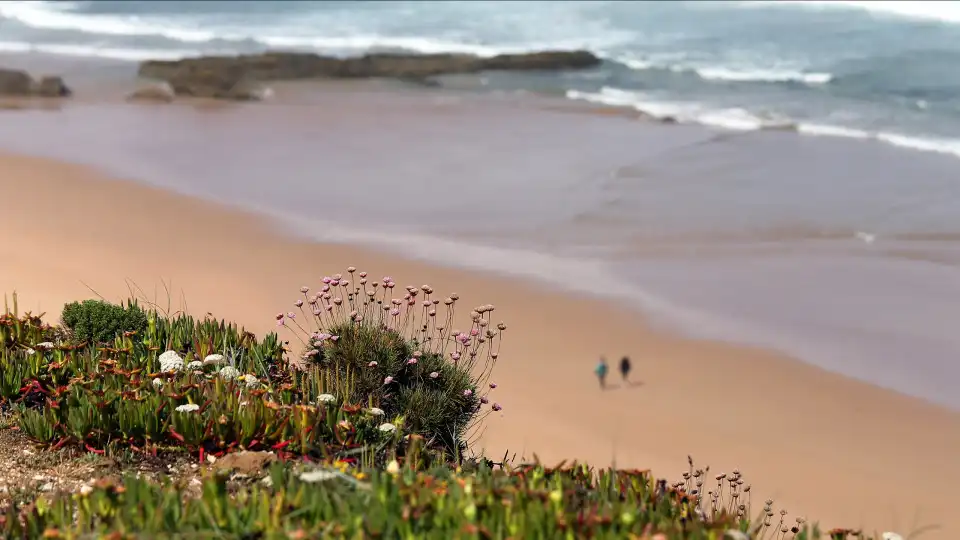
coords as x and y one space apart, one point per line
824 446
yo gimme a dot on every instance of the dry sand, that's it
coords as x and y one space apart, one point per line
823 446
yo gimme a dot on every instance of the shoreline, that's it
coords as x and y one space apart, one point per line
823 445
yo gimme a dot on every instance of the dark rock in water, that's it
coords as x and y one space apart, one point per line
52 87
425 82
218 76
15 83
19 83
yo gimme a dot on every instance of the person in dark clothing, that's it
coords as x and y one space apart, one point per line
625 368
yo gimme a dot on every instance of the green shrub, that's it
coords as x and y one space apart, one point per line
440 408
96 321
399 351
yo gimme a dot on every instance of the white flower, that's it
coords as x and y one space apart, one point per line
252 382
229 372
213 359
326 398
734 534
85 489
30 351
45 345
393 467
158 383
387 427
318 475
375 411
188 407
196 364
170 361
891 536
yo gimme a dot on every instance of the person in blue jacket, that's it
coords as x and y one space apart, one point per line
601 372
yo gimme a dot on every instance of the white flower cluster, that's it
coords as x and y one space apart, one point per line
170 361
195 365
188 407
228 373
213 359
251 381
326 399
387 427
374 411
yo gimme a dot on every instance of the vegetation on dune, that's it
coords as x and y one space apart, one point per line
367 421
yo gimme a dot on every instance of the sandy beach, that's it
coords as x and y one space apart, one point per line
821 445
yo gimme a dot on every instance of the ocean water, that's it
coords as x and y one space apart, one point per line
874 70
836 240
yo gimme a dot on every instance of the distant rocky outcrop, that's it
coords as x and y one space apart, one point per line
18 83
238 77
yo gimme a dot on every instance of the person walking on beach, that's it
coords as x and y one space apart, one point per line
625 369
601 371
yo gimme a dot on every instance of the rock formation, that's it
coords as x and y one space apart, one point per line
236 77
19 83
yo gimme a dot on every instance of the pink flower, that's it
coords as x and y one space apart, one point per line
434 374
304 289
351 269
345 283
327 280
363 274
298 303
373 364
334 338
387 380
484 400
329 308
468 392
455 356
474 332
325 288
411 361
279 316
395 312
291 315
338 300
280 322
338 277
335 282
493 385
317 312
496 407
